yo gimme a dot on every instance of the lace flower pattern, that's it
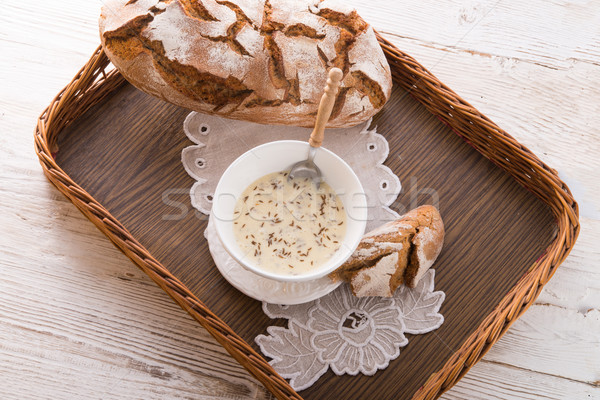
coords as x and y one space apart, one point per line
350 335
355 335
337 331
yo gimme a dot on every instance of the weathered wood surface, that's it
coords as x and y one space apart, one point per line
534 68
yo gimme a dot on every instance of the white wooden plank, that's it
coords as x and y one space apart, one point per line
104 330
66 26
549 111
576 283
493 381
560 335
555 341
551 33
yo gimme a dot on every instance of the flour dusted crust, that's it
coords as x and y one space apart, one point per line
399 252
264 61
375 280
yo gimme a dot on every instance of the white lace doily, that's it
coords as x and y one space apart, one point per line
348 334
220 141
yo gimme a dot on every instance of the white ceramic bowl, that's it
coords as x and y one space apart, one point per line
279 156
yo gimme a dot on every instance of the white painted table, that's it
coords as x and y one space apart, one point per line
79 321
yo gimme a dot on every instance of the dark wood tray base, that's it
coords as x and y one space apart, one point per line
126 151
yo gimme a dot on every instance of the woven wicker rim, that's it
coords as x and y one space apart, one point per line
94 82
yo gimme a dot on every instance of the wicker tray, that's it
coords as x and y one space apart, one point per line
509 225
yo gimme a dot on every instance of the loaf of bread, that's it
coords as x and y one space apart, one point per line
264 61
399 252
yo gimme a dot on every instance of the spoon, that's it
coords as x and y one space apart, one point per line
307 168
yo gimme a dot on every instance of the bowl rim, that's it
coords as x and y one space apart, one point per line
321 272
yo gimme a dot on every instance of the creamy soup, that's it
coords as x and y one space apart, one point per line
288 227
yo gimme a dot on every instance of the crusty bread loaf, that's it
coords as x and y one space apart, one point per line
400 251
258 60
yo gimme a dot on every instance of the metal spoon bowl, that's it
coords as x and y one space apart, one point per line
307 169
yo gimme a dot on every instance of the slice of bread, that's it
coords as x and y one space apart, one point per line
397 252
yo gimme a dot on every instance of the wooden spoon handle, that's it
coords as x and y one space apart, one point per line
325 106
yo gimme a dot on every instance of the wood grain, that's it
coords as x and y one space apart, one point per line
583 328
485 213
492 381
554 35
72 325
495 85
519 74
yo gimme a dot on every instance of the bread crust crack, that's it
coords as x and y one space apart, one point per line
276 62
351 22
195 9
302 30
369 87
